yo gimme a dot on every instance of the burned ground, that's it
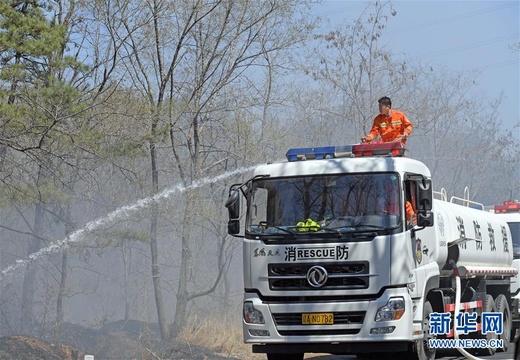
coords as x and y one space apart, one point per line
27 348
115 341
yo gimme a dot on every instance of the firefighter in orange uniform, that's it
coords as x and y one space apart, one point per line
411 217
390 124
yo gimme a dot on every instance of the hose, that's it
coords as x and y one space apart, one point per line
463 352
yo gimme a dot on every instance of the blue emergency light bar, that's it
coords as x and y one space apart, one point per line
318 153
393 149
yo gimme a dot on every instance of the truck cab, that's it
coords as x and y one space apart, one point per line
345 251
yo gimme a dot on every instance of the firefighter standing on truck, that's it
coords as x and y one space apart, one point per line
390 124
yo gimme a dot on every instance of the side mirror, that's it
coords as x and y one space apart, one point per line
424 196
425 219
233 206
233 227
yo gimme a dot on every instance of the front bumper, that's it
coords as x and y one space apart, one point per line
353 322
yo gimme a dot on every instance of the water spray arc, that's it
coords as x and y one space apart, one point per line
121 213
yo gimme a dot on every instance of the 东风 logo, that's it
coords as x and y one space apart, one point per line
317 276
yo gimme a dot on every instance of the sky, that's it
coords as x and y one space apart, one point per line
456 36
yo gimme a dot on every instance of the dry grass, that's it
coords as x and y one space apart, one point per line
222 335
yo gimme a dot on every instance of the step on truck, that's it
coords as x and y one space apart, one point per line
346 250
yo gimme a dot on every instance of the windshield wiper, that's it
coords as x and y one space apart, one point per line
366 232
264 227
377 227
329 230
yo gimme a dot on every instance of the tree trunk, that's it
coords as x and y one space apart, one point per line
61 294
29 280
182 293
63 282
156 279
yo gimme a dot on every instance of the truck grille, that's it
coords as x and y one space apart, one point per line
341 276
340 318
283 321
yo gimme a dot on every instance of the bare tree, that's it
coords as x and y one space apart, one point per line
234 37
357 69
182 56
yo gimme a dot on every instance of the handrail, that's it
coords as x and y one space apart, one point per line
443 195
465 201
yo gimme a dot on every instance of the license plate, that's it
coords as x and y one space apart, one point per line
318 319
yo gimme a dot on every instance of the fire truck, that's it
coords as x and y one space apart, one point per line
346 250
510 212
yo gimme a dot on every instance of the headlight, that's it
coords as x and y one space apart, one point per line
252 315
393 310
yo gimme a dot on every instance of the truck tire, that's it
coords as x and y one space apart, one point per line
420 349
272 356
502 306
489 306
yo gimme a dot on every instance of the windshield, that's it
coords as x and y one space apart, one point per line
321 204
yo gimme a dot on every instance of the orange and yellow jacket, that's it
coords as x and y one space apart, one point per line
391 127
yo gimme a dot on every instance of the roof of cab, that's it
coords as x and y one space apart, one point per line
344 165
